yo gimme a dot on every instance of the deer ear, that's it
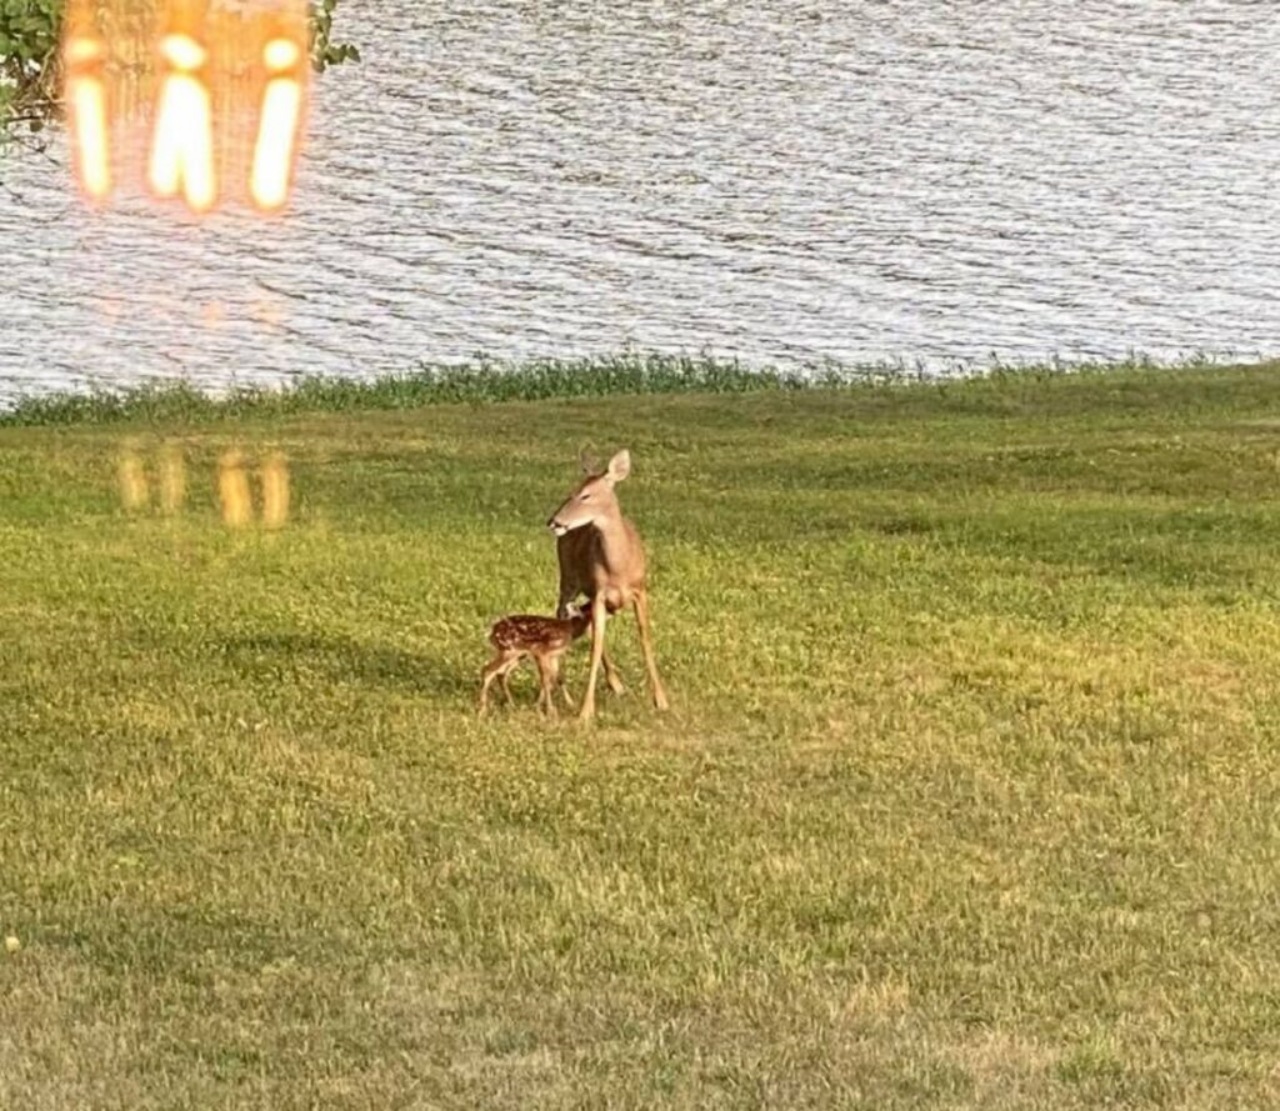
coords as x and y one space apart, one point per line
589 461
620 465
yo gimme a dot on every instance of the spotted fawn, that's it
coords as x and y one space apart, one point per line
545 640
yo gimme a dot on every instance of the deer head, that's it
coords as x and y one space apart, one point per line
593 498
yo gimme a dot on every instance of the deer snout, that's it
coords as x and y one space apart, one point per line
556 525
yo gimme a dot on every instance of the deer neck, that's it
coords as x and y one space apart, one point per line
615 540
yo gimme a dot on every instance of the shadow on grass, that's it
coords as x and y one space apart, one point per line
345 661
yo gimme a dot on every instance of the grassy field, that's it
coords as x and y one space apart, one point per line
969 796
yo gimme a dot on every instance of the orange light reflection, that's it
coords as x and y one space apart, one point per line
182 154
87 98
274 151
189 98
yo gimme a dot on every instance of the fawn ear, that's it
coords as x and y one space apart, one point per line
589 461
620 466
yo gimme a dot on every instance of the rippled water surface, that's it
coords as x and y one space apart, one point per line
784 181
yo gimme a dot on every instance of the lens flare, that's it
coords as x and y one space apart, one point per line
275 491
274 152
182 150
198 99
88 114
173 479
233 490
132 479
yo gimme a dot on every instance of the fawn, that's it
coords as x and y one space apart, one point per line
545 640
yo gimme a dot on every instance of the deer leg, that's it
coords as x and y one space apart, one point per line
598 617
611 675
555 664
563 686
546 685
495 669
641 602
556 681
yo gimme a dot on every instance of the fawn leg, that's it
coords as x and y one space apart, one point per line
494 669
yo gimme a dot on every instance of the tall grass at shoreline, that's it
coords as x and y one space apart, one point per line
968 798
496 381
485 381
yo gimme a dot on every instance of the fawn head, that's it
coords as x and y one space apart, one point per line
593 497
579 618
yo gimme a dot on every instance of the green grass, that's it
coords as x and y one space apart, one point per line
969 797
628 373
484 382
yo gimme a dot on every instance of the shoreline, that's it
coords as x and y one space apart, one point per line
490 381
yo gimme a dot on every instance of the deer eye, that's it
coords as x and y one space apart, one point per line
584 497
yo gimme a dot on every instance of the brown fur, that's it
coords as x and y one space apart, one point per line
602 556
530 636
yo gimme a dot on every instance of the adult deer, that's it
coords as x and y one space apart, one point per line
602 556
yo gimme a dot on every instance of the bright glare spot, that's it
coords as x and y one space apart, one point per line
183 147
273 152
83 49
183 52
281 54
89 125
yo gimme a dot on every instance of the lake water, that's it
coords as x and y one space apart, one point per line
786 181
